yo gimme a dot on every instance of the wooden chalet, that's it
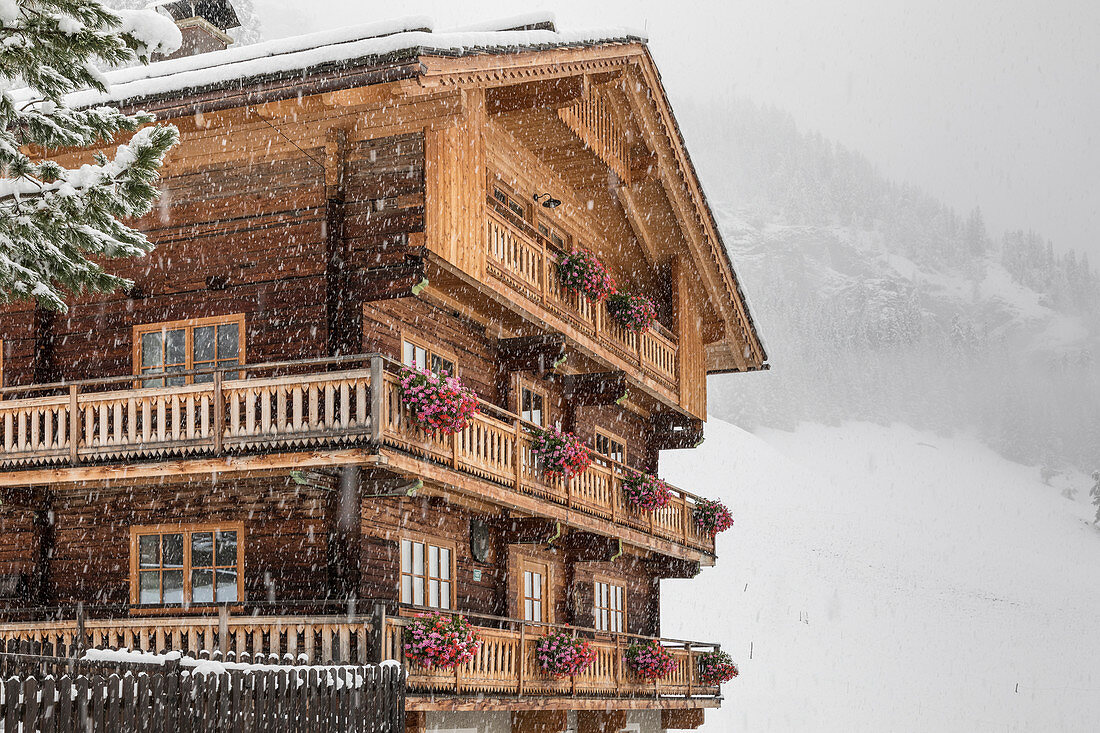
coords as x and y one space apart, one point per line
218 459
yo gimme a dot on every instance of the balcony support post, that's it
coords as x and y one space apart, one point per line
219 412
223 630
74 424
377 385
521 658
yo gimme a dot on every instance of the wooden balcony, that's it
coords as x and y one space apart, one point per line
525 261
504 674
96 426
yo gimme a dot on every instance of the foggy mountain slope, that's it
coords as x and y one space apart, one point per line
890 579
878 302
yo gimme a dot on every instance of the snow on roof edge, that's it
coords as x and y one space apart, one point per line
329 47
537 17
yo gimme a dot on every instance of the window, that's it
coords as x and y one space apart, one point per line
532 405
163 348
610 611
510 202
417 355
555 235
610 446
186 564
426 572
535 579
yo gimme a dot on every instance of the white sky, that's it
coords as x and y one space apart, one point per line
980 102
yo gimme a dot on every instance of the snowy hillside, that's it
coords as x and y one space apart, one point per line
890 579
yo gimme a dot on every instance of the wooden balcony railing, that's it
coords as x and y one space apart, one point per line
321 409
505 665
527 262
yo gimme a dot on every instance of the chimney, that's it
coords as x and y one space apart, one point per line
203 24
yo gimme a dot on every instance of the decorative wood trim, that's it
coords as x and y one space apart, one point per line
186 530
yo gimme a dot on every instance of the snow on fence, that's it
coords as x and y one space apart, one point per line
125 692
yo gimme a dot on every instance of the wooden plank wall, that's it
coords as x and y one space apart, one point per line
17 339
643 599
693 364
256 226
385 521
604 230
455 173
285 543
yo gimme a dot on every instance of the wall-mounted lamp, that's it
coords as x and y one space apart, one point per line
550 202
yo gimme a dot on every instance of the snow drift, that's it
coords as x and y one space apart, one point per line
889 579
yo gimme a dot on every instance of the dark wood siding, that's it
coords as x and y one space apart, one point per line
285 543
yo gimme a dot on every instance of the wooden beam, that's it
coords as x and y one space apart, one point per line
415 702
668 567
535 506
597 388
672 430
244 465
540 721
530 530
583 546
538 354
682 719
639 223
600 721
548 93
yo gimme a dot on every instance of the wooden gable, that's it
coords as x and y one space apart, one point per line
598 120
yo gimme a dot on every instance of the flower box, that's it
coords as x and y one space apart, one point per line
716 667
562 654
649 660
560 453
712 516
436 641
437 401
581 272
633 312
646 492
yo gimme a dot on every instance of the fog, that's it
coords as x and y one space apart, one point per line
907 191
989 103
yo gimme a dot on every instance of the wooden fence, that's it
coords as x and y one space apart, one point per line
174 695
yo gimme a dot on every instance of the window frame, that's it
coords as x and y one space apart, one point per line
496 182
599 432
429 350
531 385
553 227
187 530
427 541
610 581
188 325
542 567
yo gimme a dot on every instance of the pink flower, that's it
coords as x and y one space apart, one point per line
646 492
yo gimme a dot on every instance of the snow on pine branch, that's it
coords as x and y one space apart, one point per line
56 223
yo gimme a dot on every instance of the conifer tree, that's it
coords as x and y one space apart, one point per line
57 224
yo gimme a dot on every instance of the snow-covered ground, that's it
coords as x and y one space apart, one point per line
888 579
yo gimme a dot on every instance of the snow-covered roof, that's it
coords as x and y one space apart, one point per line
409 36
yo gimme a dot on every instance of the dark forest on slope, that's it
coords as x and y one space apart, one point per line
878 302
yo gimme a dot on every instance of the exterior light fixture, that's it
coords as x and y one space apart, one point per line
550 202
